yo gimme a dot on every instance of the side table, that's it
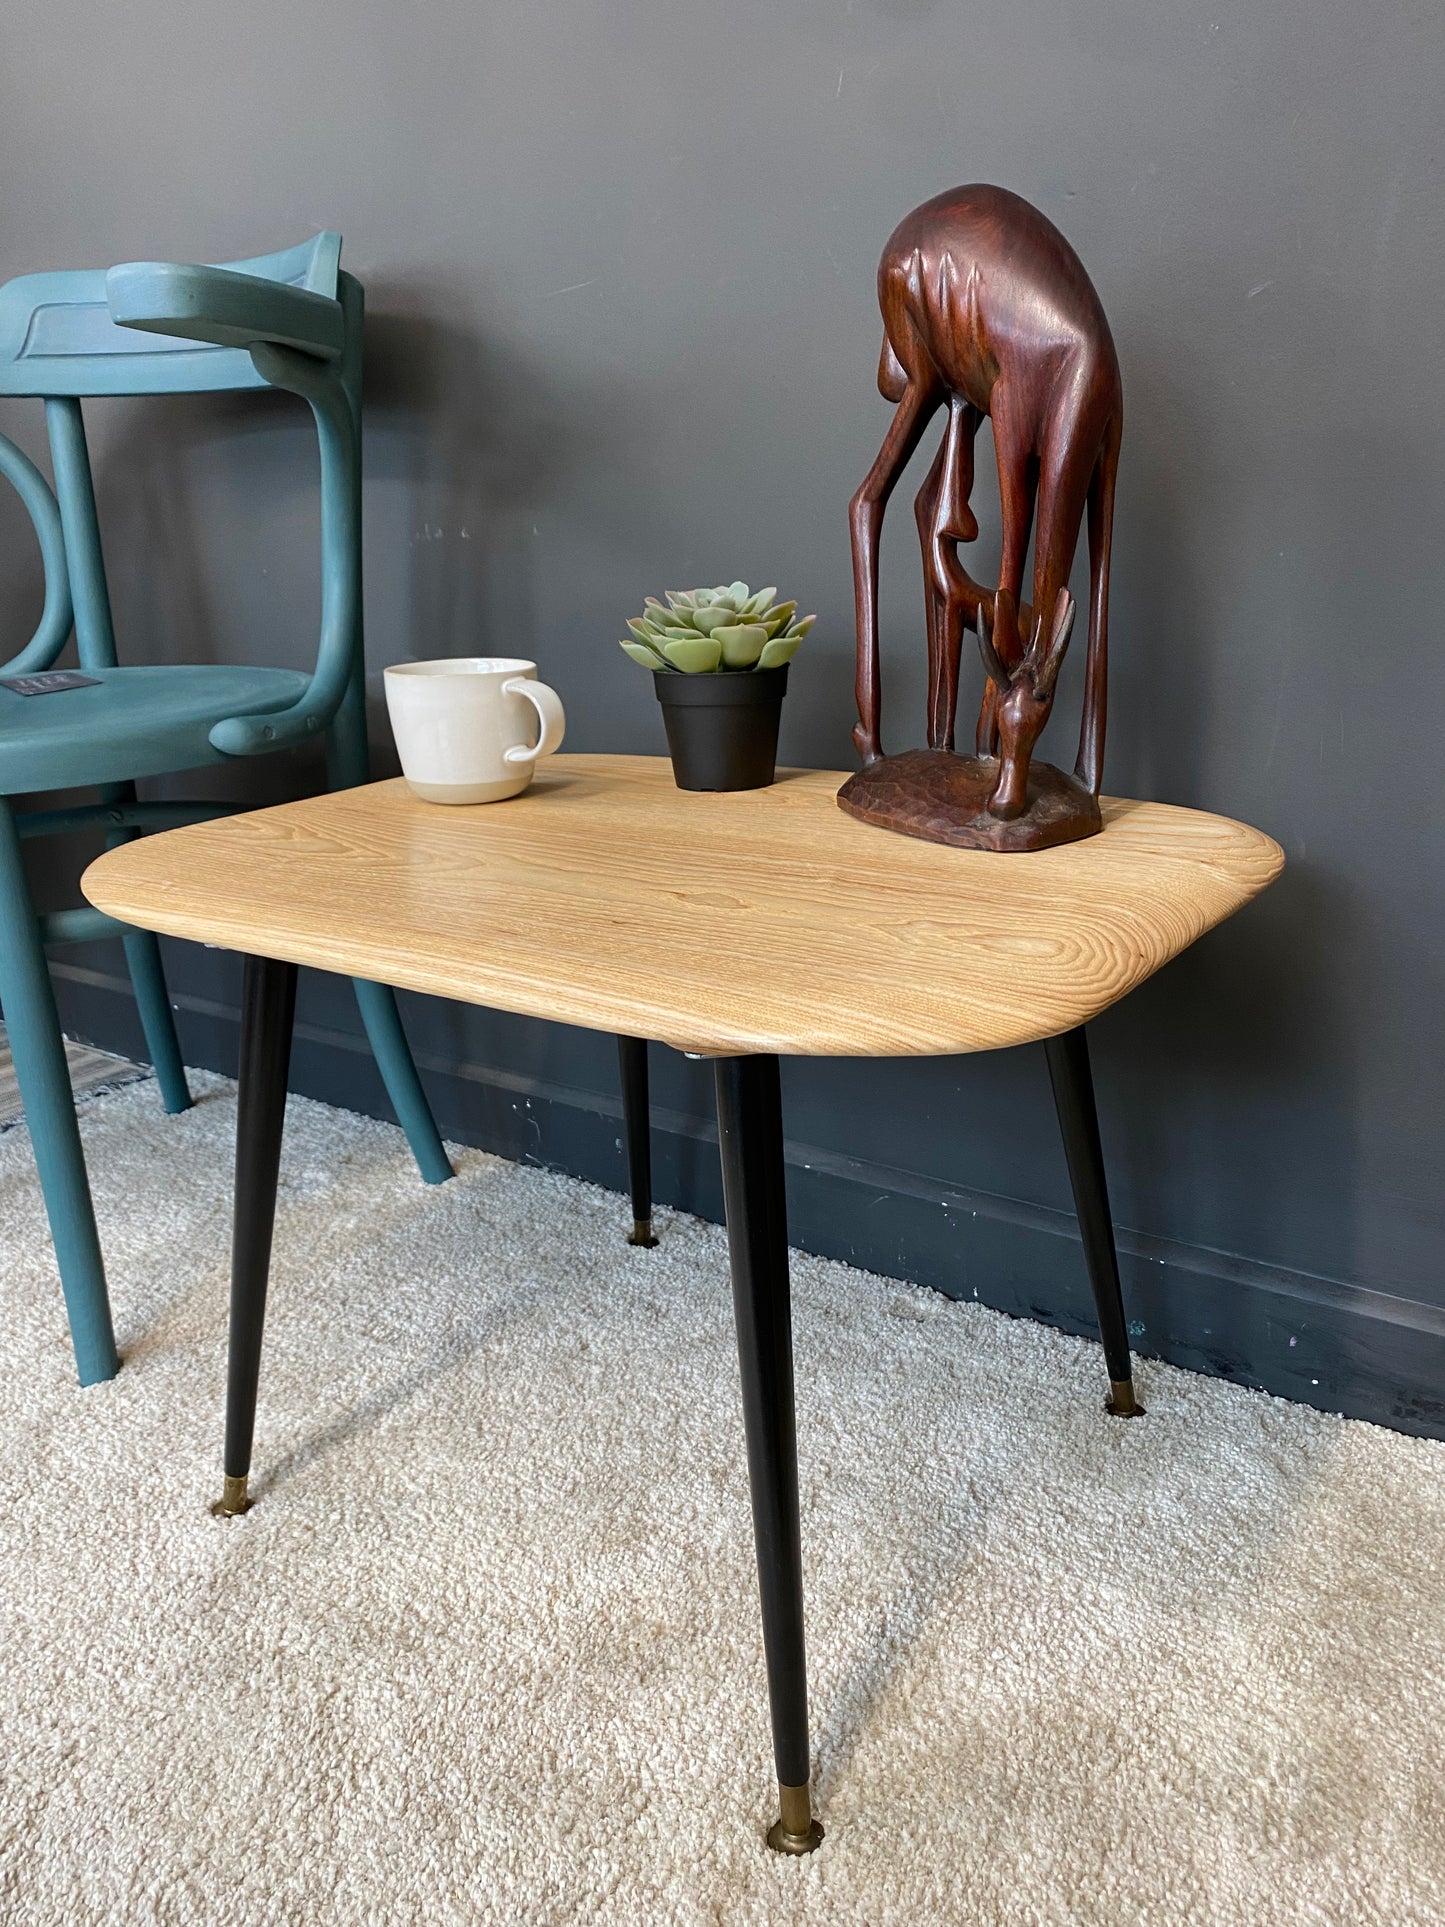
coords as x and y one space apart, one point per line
739 927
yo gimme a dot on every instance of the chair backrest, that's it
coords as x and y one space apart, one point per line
60 340
57 336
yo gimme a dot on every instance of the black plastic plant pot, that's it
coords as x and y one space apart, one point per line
722 728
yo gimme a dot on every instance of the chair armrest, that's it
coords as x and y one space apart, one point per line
220 306
55 619
338 655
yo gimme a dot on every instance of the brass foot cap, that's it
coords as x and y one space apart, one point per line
234 1499
642 1234
797 1831
1121 1402
781 1841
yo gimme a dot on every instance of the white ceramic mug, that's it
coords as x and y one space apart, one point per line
464 725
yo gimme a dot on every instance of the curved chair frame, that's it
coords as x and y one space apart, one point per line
292 321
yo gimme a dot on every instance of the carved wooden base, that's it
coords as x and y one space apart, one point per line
943 798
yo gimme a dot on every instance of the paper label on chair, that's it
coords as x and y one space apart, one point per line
47 682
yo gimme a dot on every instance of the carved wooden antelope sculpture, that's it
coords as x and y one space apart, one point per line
987 310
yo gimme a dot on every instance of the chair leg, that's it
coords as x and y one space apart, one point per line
268 1006
143 958
636 1128
1073 1084
148 981
393 1059
347 764
36 1045
750 1136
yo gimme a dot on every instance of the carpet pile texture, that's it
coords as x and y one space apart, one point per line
487 1647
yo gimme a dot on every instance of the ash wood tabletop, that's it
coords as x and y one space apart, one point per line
758 921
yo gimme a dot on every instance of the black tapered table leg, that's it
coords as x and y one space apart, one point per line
637 1129
750 1134
1073 1084
268 1004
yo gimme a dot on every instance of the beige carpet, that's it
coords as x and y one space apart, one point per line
487 1650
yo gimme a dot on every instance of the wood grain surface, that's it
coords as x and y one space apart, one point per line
764 920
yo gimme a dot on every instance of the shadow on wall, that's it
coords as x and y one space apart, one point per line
1163 674
1231 691
468 442
1230 1080
209 509
1241 1031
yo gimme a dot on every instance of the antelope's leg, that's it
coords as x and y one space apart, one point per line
865 518
954 522
925 509
1066 463
1090 766
1016 493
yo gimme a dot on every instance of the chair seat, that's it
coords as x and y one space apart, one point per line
130 723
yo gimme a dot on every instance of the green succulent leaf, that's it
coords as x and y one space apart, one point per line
741 645
694 655
639 652
699 631
780 650
711 618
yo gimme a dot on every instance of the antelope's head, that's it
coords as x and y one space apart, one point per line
1026 691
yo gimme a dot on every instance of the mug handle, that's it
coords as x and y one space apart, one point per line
551 718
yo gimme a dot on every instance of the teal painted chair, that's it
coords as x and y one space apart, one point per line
291 321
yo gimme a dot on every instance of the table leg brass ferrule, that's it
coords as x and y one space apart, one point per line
234 1498
797 1831
642 1234
1121 1402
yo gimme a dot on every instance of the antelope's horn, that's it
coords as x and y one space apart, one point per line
1045 664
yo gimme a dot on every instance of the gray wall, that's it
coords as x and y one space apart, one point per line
622 335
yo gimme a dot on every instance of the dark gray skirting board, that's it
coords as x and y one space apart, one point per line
1337 1346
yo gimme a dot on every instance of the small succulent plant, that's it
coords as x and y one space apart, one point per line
698 631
